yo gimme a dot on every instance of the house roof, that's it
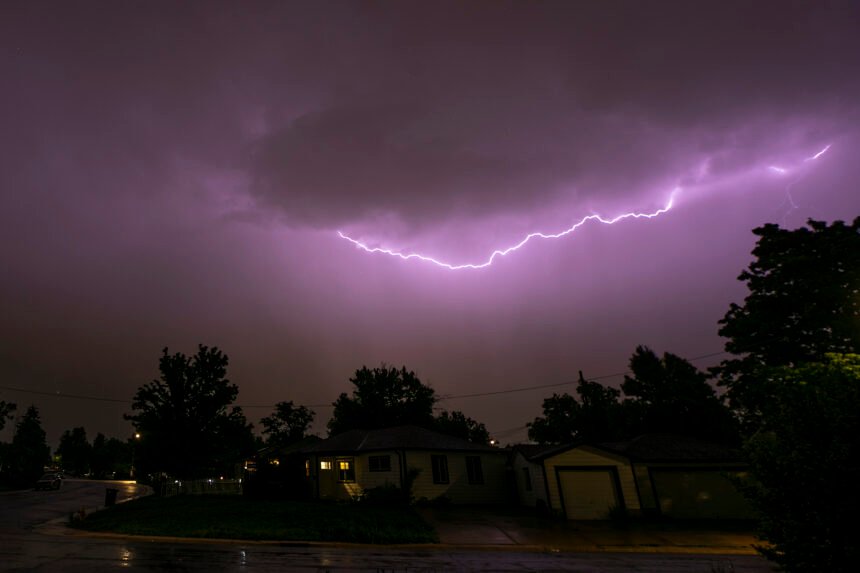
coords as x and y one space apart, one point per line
653 448
397 438
269 452
657 448
534 452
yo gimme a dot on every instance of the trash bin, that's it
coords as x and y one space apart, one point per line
110 496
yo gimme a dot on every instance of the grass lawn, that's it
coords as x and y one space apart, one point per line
233 517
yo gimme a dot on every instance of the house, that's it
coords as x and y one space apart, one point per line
347 465
527 468
653 474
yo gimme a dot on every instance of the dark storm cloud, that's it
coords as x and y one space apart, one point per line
492 108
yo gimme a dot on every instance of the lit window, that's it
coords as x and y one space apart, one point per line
440 469
345 470
325 465
379 463
307 468
474 470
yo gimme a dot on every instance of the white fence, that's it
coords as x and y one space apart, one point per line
201 487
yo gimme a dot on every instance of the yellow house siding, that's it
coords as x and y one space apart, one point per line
589 457
369 479
538 491
459 490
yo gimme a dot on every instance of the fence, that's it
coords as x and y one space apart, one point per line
201 487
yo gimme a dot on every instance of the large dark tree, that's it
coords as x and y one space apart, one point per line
75 451
803 302
457 424
804 459
29 452
287 425
671 395
187 426
597 415
383 397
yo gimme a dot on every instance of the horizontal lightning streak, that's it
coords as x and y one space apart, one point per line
538 235
529 237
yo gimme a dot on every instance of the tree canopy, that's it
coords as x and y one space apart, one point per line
803 302
804 460
287 425
75 451
457 424
383 397
187 426
596 415
669 394
665 394
28 453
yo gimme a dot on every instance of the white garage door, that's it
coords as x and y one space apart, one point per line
587 494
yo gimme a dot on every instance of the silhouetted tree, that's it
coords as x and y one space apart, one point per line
6 409
671 395
596 416
804 460
29 452
457 424
803 302
287 425
186 424
110 458
383 397
75 451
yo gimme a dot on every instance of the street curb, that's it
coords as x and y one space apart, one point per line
59 527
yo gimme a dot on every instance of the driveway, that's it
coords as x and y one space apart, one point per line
504 527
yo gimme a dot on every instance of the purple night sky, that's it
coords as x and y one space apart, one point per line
177 173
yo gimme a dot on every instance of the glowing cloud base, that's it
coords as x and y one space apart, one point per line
539 235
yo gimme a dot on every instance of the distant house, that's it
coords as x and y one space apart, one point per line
527 467
654 474
346 465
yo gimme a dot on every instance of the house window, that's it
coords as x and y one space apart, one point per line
380 463
474 470
345 469
440 469
325 465
307 468
527 479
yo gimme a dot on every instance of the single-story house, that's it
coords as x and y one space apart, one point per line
348 464
653 474
527 468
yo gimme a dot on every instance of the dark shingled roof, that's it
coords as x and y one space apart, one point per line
397 438
672 448
534 452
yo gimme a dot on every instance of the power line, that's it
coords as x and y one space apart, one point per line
568 383
59 394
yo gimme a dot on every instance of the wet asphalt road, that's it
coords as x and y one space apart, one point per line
24 547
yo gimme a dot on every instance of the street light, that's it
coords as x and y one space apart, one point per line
133 450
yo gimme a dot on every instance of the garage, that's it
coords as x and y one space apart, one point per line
696 493
588 493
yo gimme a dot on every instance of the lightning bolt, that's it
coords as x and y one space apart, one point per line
789 198
539 235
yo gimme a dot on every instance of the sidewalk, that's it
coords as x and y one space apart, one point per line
487 529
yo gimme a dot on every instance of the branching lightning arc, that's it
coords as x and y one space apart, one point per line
539 235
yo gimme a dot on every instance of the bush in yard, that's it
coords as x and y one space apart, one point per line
805 459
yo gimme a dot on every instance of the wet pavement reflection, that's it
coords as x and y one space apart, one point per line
25 547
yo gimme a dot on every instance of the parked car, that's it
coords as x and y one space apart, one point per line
50 481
